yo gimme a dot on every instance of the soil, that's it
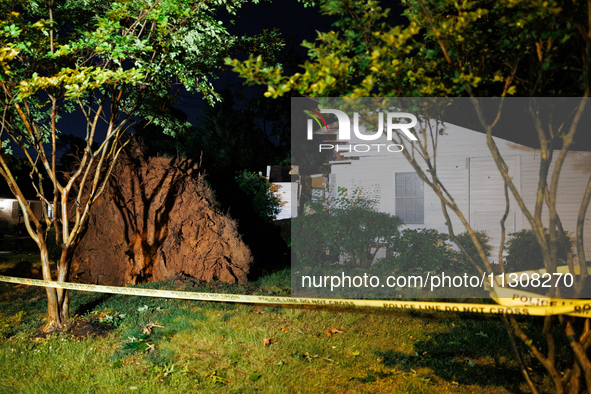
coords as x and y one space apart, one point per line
80 329
158 220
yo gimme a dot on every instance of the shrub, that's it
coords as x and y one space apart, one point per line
312 236
362 233
264 202
419 251
347 225
462 263
524 253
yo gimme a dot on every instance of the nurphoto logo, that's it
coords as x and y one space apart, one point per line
344 132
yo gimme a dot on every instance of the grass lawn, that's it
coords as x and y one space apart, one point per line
121 344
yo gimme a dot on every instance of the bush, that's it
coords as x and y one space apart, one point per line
524 253
312 236
362 233
462 263
257 188
348 225
419 251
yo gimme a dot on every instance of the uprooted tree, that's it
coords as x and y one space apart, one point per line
471 49
105 65
158 220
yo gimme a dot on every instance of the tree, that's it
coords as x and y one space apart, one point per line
482 48
473 49
109 64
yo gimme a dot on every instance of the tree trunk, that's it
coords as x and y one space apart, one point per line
57 299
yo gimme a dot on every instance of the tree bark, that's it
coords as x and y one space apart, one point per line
57 306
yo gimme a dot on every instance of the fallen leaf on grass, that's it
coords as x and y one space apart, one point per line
216 378
308 356
285 329
332 330
482 334
147 329
356 353
254 376
267 341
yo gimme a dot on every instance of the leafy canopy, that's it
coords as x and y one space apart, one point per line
493 48
75 51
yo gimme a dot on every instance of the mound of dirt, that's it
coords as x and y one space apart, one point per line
158 220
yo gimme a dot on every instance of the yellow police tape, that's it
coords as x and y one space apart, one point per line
510 301
511 297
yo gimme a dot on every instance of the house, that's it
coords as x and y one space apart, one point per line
10 212
468 172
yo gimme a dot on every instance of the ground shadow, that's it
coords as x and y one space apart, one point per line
22 269
472 352
89 306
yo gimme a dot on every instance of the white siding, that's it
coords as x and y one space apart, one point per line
487 197
9 210
285 195
467 170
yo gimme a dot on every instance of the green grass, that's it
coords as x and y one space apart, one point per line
219 348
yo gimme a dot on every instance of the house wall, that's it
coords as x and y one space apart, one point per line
467 170
285 194
9 210
5 212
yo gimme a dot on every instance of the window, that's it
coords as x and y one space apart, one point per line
16 210
409 198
